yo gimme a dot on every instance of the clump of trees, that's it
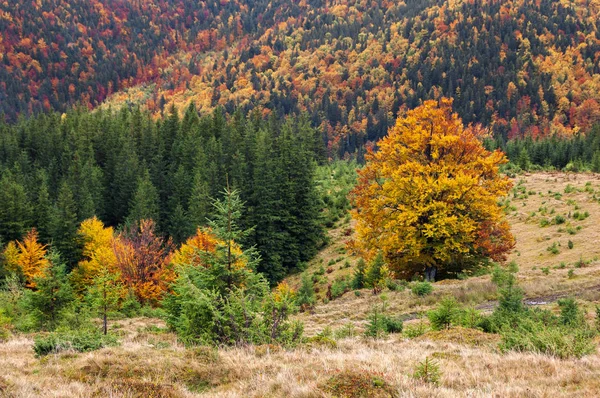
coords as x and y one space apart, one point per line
57 171
427 198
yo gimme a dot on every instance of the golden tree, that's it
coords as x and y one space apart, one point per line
428 197
98 252
27 257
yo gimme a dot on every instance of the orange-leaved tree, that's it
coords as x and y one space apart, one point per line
427 199
143 259
27 257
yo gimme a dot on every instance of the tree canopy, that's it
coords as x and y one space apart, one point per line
429 195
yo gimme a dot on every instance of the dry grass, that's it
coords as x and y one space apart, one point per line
470 367
151 363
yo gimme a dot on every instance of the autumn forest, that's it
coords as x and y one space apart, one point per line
299 198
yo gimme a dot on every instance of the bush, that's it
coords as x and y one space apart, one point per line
357 384
339 287
78 340
556 340
421 288
415 330
447 313
570 314
381 324
5 326
131 305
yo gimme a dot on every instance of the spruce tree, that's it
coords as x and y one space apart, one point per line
374 272
226 226
306 293
200 202
359 278
15 209
144 204
64 227
52 295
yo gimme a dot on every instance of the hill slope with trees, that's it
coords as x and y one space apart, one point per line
522 68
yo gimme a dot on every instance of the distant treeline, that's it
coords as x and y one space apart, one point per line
57 170
578 153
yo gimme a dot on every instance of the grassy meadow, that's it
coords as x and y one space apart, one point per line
555 218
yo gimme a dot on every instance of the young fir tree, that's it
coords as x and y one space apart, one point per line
359 279
225 265
306 293
104 294
52 295
374 272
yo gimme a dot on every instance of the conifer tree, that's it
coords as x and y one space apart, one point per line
52 295
306 293
15 209
64 227
144 204
360 277
43 207
229 261
374 272
200 201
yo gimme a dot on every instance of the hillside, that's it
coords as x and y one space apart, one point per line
151 362
522 68
537 201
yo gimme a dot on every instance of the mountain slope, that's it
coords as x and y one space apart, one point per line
520 67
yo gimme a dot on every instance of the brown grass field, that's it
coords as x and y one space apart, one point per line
150 362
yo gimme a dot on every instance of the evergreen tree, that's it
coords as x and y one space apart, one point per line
144 204
226 226
374 272
52 295
64 227
359 279
43 207
200 202
306 293
15 209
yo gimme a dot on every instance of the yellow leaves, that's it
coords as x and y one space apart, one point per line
426 195
191 251
98 252
27 257
284 293
11 257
